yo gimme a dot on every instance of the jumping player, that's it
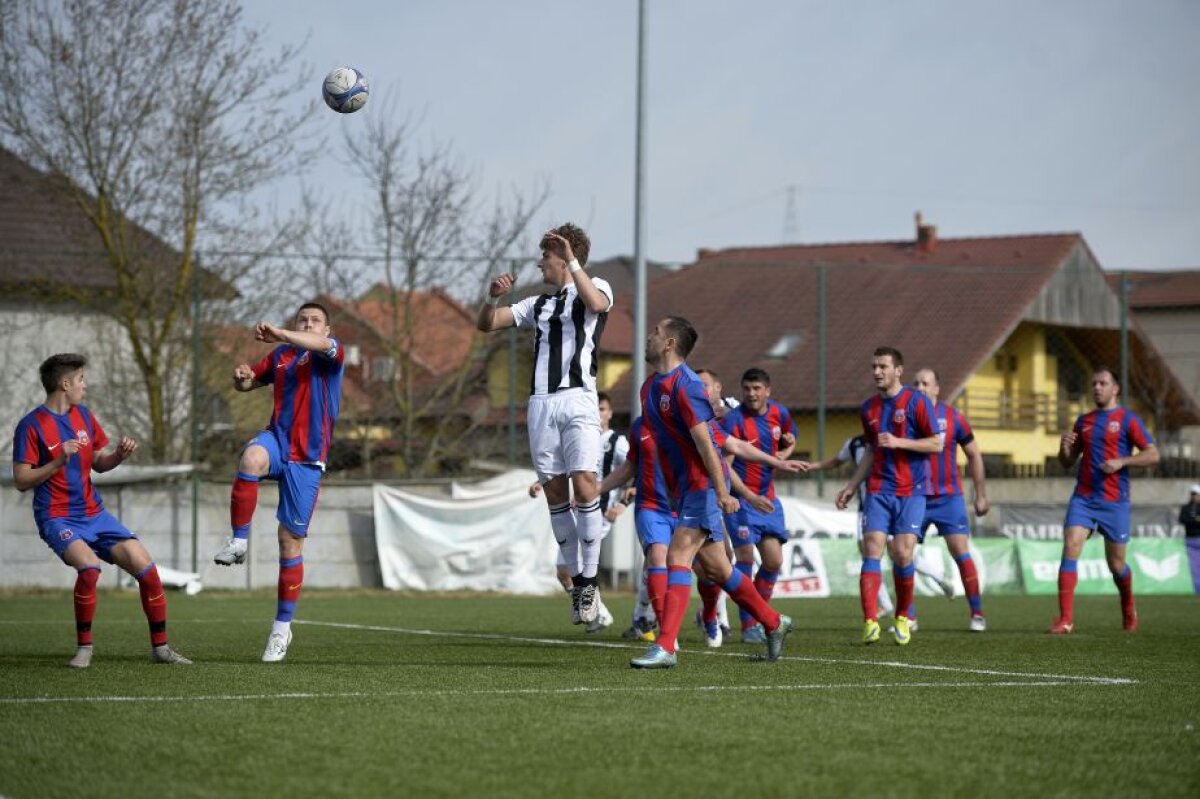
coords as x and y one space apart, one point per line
55 448
564 416
1104 438
306 373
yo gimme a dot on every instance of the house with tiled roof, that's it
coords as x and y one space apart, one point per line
1012 324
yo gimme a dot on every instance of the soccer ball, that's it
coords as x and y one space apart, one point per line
345 90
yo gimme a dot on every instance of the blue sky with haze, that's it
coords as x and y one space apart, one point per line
990 117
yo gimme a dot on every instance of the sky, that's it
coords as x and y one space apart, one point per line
771 122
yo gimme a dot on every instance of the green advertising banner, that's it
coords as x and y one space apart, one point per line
995 560
1160 566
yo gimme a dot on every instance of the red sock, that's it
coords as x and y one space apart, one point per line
764 583
970 581
868 593
1124 583
742 592
656 589
154 603
85 603
243 499
291 578
710 595
904 587
679 593
1066 593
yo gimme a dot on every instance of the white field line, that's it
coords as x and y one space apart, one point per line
1064 678
633 689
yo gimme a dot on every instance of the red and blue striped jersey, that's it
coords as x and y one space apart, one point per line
308 390
69 491
672 404
909 414
1102 435
943 479
763 431
647 476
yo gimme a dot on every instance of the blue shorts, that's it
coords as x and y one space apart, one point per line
654 527
299 484
100 532
736 529
948 513
888 513
699 510
1110 519
759 524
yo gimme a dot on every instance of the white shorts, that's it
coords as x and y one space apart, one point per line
564 432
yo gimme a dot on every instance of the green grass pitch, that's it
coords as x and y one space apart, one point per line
403 695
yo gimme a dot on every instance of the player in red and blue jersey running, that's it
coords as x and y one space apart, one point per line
306 374
677 413
945 508
766 425
900 431
55 449
1104 438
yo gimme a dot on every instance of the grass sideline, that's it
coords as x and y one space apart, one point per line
499 696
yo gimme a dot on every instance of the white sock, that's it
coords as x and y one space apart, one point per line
885 599
281 627
643 609
590 529
722 613
562 523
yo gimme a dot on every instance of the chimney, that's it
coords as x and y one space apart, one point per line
926 235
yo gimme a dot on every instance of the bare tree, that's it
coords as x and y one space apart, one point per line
156 118
434 233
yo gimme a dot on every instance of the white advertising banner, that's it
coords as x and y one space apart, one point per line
496 540
804 573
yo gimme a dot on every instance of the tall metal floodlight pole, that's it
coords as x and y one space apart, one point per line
638 371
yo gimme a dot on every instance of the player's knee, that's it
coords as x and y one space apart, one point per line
254 460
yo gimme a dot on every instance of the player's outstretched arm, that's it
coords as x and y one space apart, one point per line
493 316
313 342
860 473
1145 457
616 478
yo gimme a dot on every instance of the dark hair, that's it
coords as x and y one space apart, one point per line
707 371
581 245
56 367
892 352
684 334
316 305
1106 368
756 375
602 396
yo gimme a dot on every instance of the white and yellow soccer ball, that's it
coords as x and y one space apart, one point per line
345 90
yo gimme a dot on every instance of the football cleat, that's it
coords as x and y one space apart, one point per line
603 620
655 658
277 647
712 634
83 657
776 637
1130 621
1061 626
575 617
641 630
754 635
165 654
870 631
233 552
978 623
589 603
902 632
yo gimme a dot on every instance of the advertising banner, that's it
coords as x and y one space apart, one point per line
1160 566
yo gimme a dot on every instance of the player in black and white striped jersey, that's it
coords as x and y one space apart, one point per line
563 415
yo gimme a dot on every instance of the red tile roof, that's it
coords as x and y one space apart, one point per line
948 309
1175 289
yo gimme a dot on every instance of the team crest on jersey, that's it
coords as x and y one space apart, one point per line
899 416
776 432
942 425
664 403
82 437
1114 426
65 535
303 359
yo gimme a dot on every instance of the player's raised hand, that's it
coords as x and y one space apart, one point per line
560 246
265 331
126 447
502 285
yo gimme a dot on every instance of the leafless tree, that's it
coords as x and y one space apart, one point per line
156 119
